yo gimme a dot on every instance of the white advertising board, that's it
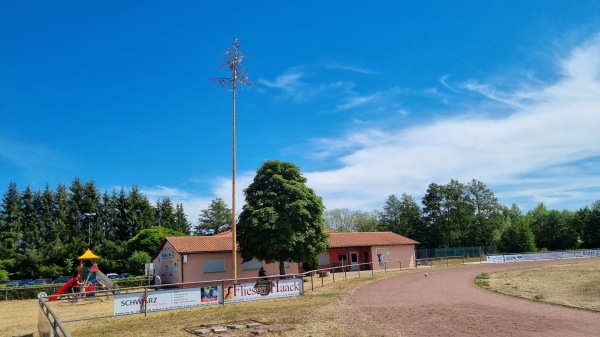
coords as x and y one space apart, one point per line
542 256
495 258
262 290
513 258
167 299
591 253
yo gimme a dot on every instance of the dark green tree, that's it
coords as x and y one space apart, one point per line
282 219
149 240
460 214
516 237
137 261
488 213
553 230
10 223
437 228
588 221
215 219
165 213
181 222
390 219
401 216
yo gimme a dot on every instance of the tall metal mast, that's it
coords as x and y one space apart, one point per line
233 60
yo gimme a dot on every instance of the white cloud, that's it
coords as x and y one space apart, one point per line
193 203
355 102
548 128
351 68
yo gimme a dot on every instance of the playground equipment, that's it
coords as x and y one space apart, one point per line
87 279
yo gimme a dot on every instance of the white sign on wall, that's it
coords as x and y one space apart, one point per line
168 299
263 289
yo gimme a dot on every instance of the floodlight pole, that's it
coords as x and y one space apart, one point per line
89 216
233 61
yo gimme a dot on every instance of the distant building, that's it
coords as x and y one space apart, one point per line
183 259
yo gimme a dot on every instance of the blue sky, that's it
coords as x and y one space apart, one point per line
369 99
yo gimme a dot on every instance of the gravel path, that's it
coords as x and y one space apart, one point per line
447 303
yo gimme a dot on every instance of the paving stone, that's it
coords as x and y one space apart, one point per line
201 332
218 329
235 326
253 325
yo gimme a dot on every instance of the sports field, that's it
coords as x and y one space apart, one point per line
399 303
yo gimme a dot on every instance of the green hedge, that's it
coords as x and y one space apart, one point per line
31 292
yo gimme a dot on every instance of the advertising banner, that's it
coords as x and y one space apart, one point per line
591 253
167 299
542 256
495 258
513 258
263 289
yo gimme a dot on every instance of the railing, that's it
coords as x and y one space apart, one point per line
48 323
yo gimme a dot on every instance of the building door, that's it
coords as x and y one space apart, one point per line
354 261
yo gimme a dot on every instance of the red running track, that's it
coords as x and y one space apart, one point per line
447 303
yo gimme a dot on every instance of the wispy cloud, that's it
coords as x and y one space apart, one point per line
348 67
35 161
286 82
355 101
546 134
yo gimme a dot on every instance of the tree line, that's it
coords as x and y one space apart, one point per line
43 232
469 214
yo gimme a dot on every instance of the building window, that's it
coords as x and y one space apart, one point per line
253 264
214 265
323 259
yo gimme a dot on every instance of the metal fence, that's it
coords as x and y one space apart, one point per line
48 323
430 253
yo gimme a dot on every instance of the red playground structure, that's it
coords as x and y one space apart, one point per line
85 282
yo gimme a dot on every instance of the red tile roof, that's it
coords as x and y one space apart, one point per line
367 239
222 242
197 244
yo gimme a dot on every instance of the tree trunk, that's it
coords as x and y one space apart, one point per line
281 268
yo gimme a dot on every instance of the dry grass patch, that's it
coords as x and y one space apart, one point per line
574 285
314 314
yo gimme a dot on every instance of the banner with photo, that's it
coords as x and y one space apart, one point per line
262 290
167 299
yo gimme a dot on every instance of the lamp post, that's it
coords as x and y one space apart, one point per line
89 215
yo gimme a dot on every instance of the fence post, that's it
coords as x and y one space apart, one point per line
223 291
145 301
312 288
400 265
385 266
333 274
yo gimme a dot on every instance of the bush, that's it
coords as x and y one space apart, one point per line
311 264
136 262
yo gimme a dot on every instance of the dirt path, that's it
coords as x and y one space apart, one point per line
447 303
